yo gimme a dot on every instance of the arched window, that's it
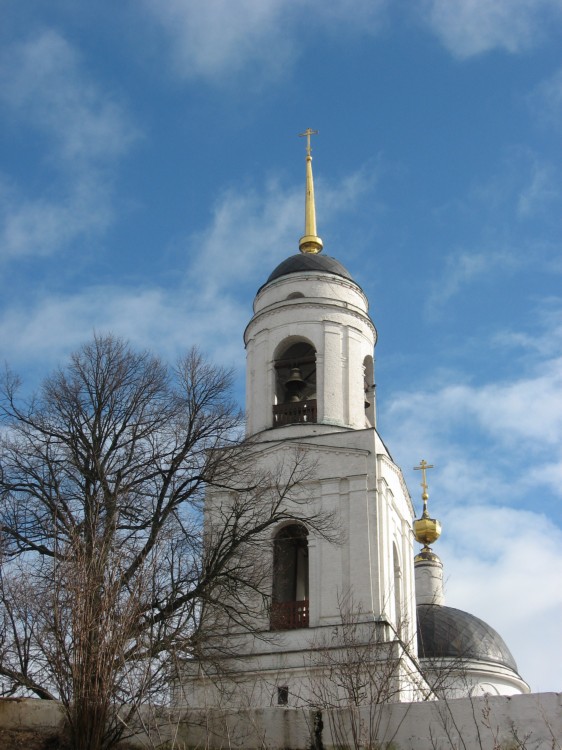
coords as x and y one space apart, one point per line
398 607
289 605
295 385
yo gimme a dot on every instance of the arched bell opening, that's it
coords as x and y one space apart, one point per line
289 600
295 385
369 390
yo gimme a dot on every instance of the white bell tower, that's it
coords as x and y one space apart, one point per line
310 385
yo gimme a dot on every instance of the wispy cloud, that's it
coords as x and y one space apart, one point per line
510 215
219 38
44 88
472 27
537 197
523 185
249 233
546 101
461 269
41 226
42 80
477 429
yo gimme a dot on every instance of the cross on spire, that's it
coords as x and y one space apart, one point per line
423 467
308 132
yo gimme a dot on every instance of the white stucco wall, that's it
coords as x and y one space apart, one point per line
354 573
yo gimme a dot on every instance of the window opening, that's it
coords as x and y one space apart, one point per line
290 602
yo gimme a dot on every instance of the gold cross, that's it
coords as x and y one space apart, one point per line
422 467
308 132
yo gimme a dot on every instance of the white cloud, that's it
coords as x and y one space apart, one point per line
53 326
503 565
219 38
496 442
548 475
472 27
43 87
529 409
215 37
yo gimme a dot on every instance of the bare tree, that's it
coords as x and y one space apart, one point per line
107 570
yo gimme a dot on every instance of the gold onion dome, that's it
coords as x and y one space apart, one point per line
426 529
309 242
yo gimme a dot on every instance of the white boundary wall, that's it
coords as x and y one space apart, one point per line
525 722
522 722
30 714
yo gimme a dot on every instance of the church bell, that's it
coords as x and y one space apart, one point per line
295 384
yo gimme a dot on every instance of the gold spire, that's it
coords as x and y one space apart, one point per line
426 530
310 242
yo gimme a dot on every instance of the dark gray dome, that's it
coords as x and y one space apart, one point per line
445 632
309 262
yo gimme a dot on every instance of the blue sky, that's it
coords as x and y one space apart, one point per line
151 177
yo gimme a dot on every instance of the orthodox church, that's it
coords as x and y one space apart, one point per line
371 598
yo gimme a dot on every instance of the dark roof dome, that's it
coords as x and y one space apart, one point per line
309 262
445 632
